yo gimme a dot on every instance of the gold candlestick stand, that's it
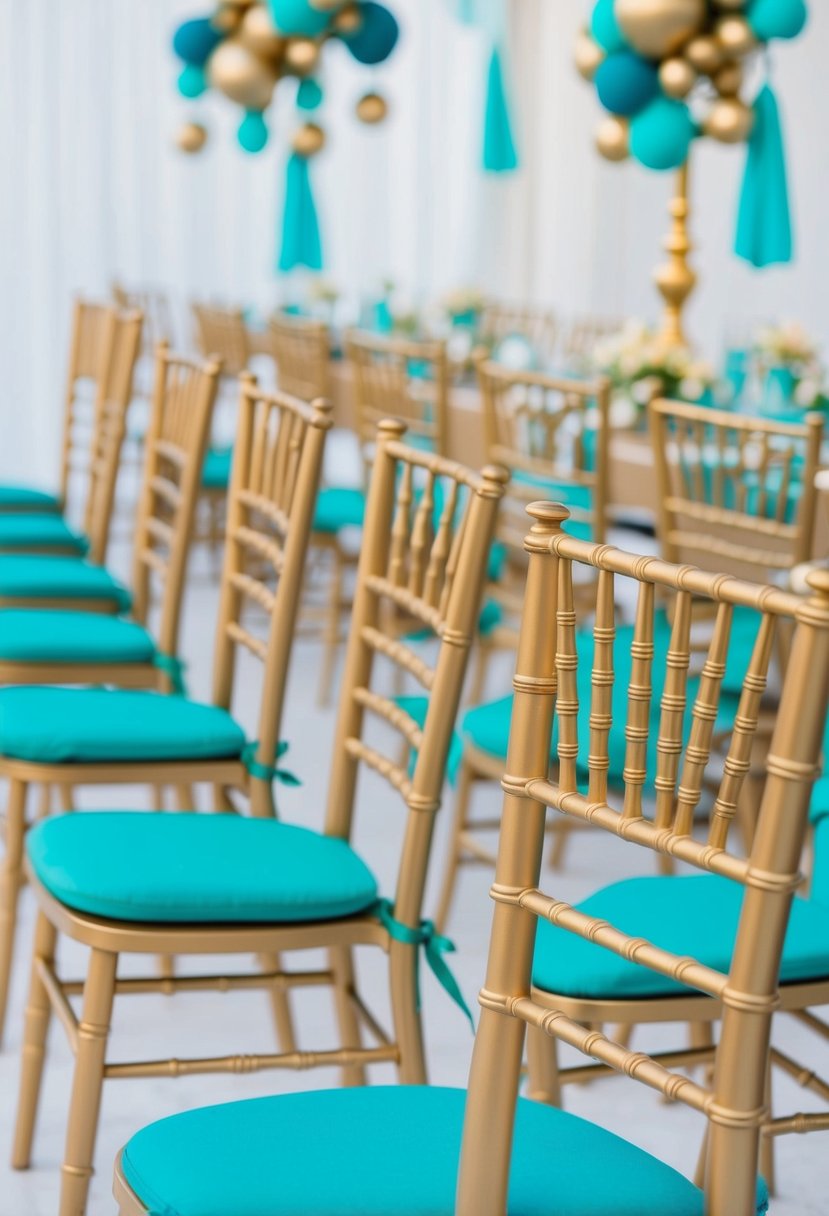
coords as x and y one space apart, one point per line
675 279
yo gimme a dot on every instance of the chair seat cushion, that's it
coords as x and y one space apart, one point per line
53 635
197 868
38 531
29 576
339 507
695 915
216 469
94 725
386 1151
21 498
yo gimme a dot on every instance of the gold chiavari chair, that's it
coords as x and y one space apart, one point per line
222 332
301 350
552 435
397 1149
538 326
268 887
71 737
155 305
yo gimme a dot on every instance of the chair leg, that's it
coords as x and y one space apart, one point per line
480 672
280 1005
185 798
460 820
331 632
85 1104
767 1161
11 877
408 1028
67 798
38 1017
561 831
44 802
543 1081
341 961
158 797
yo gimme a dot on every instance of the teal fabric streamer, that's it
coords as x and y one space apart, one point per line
764 227
268 772
301 244
500 155
434 947
174 667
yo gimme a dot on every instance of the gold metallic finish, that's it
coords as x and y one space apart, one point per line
675 279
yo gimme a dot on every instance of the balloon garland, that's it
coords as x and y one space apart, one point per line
246 48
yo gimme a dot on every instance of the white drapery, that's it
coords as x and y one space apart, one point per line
92 186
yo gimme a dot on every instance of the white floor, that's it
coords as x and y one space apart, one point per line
207 1023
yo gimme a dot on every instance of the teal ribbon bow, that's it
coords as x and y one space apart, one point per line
301 243
174 667
764 223
268 772
500 154
435 946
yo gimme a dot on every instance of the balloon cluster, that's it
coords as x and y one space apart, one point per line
246 47
668 71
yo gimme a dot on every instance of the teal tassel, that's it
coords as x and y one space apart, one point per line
500 155
764 227
301 245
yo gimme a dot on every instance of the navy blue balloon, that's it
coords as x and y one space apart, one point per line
377 36
195 41
626 83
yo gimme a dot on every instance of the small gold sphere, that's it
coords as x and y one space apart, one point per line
301 55
704 54
677 77
326 6
728 80
729 120
612 138
657 28
191 137
588 56
348 20
227 19
372 108
735 35
259 34
241 75
308 140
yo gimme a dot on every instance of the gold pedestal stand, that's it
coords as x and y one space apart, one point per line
675 279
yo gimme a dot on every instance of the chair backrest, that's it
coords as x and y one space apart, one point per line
89 341
184 394
399 378
539 326
155 305
736 493
301 349
546 682
222 333
426 537
121 347
277 464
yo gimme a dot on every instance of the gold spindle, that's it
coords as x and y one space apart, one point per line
672 717
601 704
639 703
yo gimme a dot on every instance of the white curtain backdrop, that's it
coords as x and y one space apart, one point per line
92 186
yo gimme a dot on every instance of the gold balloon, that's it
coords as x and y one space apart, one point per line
735 35
259 34
227 20
729 120
301 55
348 20
326 6
704 53
308 140
191 137
728 80
612 138
372 108
588 56
657 28
241 75
677 77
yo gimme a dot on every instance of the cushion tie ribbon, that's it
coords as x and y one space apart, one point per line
174 667
268 772
435 946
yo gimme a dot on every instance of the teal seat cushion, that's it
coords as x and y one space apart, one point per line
695 915
197 868
339 507
216 470
54 635
386 1151
27 576
819 806
91 725
820 864
38 531
22 498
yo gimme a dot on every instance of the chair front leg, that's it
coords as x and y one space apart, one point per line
85 1105
341 961
408 1028
331 628
454 852
280 1005
11 879
38 1017
543 1081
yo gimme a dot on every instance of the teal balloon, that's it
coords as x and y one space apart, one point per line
605 28
253 132
309 94
191 81
661 134
195 41
777 18
626 83
377 36
298 17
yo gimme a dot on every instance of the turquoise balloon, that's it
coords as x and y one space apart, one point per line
191 81
626 83
661 134
309 94
298 17
377 35
195 41
777 18
605 28
253 132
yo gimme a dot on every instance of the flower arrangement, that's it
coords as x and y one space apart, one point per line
464 305
640 366
790 358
